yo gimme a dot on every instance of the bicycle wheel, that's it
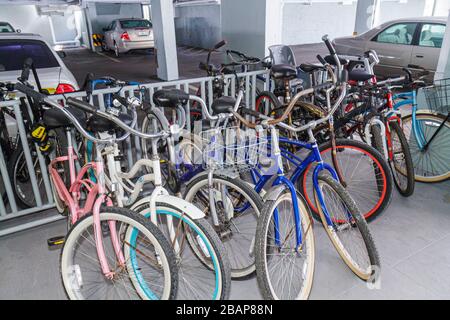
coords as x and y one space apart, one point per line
432 164
238 198
347 228
149 271
400 161
367 176
284 272
203 267
20 175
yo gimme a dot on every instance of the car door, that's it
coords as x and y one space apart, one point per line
428 45
394 48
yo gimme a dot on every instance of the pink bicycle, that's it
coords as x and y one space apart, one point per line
109 252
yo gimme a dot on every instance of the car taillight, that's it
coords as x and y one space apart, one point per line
125 36
64 88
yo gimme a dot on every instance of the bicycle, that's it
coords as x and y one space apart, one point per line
230 205
361 169
428 131
327 191
130 256
201 258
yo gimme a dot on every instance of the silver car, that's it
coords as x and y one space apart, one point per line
6 27
124 35
412 42
53 73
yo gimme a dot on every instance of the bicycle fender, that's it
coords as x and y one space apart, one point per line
181 205
274 192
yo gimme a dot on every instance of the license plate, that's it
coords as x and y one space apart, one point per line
143 33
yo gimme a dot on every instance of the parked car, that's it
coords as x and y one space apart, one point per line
6 27
399 43
124 35
53 74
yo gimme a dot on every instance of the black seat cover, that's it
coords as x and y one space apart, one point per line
170 98
359 75
330 60
283 71
55 118
308 68
223 105
100 124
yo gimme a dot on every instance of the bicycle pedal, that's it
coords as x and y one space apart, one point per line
56 241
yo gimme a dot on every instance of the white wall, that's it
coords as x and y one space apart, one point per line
244 29
391 10
308 23
27 19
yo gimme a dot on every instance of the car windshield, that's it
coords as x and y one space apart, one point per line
14 52
6 27
130 24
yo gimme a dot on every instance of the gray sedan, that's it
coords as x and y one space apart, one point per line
411 42
124 35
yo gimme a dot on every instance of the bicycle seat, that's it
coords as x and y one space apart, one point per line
100 124
330 60
223 105
55 118
308 68
359 75
283 71
170 98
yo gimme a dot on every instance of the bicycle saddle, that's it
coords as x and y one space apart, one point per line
100 124
308 68
54 118
170 98
283 71
223 105
359 75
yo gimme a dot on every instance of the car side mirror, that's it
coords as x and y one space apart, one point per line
18 31
61 54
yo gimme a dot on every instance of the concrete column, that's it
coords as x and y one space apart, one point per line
443 68
366 15
251 26
165 41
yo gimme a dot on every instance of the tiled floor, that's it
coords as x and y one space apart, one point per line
412 236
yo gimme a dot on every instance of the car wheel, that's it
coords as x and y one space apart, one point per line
116 50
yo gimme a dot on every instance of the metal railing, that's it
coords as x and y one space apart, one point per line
36 163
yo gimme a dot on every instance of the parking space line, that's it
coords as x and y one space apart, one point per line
110 58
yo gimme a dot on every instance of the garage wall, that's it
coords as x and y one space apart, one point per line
304 23
241 35
102 14
27 19
391 10
198 25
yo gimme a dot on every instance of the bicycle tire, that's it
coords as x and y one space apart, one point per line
163 249
256 202
265 282
381 181
417 155
359 222
215 247
408 171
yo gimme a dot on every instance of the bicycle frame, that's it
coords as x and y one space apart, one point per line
301 165
96 197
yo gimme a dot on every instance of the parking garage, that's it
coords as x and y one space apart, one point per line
208 53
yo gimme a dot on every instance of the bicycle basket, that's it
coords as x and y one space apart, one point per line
233 149
438 96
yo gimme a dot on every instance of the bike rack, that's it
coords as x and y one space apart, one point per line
9 209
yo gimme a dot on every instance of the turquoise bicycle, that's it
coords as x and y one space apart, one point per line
428 130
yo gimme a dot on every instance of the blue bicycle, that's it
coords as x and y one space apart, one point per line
284 238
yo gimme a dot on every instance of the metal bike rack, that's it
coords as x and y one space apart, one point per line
9 209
